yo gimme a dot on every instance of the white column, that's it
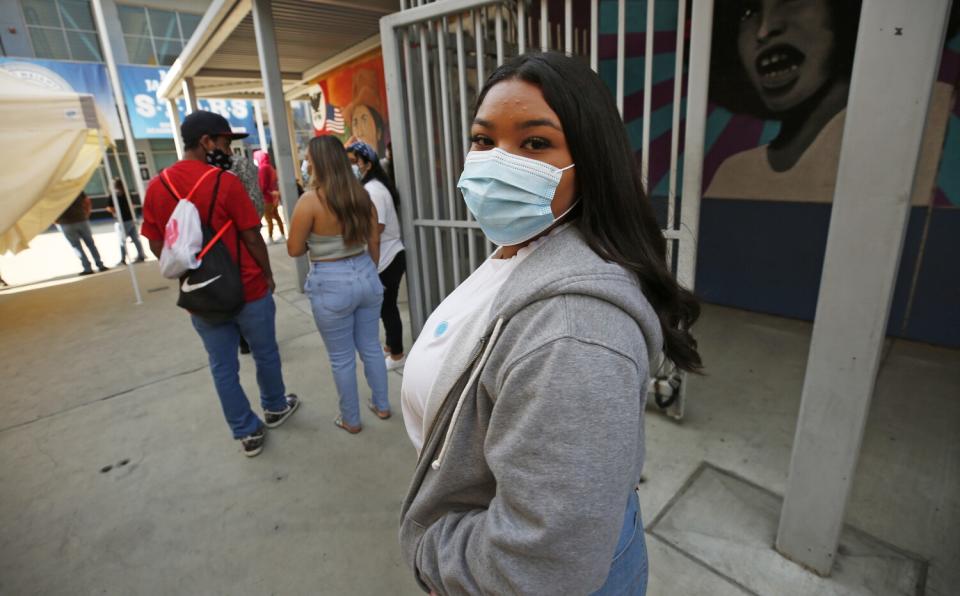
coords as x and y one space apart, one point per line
190 95
898 50
273 89
698 83
261 130
174 114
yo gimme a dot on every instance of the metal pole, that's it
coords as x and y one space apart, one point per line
117 91
595 33
273 89
432 156
451 185
190 95
568 26
871 206
498 32
482 76
675 126
621 49
465 126
116 208
647 96
173 113
544 26
417 198
478 37
521 26
261 130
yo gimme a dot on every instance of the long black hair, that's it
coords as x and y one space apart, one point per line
376 172
614 214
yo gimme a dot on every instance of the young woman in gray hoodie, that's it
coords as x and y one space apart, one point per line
524 394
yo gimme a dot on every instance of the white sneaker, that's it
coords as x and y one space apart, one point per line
395 364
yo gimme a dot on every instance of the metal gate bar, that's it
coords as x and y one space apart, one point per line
418 46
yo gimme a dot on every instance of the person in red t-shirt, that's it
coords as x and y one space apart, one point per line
206 142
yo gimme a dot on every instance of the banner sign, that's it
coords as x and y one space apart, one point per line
79 77
148 114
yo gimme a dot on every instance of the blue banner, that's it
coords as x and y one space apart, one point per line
80 77
148 115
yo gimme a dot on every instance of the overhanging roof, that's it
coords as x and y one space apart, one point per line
222 59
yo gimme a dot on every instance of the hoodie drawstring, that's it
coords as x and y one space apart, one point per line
463 394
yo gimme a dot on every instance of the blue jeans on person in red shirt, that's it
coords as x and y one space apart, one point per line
256 322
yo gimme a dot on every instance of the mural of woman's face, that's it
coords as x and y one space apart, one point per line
786 48
364 127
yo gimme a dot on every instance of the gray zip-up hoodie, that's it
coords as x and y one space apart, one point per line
525 473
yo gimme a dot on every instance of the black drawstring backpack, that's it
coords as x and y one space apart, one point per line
214 290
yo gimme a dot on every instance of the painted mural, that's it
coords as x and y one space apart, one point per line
780 77
351 103
780 73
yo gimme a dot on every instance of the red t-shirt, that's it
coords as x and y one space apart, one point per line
232 204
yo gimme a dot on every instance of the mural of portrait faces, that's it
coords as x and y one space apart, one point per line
785 64
787 49
774 56
367 126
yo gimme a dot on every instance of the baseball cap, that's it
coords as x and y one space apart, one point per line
200 123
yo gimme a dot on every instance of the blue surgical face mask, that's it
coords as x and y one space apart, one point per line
356 171
509 195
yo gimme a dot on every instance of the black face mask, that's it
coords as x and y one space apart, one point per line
220 158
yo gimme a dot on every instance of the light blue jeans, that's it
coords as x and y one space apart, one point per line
346 296
130 231
628 571
257 323
74 233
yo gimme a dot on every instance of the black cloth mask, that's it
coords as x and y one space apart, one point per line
220 158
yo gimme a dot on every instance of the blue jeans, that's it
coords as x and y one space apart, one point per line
130 230
222 341
628 571
346 296
74 233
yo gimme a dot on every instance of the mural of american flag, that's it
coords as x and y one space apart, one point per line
335 123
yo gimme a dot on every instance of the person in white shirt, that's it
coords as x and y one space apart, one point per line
524 392
392 263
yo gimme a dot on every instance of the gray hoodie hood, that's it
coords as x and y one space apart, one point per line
565 265
525 472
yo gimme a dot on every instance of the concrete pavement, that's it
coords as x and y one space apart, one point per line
119 475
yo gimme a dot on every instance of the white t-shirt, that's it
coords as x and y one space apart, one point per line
447 339
390 243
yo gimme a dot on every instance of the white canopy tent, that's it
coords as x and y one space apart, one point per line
51 143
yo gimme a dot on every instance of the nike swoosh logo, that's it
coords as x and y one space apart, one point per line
189 287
